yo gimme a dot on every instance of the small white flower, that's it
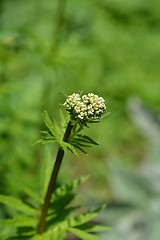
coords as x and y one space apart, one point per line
88 107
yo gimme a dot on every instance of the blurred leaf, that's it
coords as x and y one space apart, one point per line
31 193
17 204
81 219
93 228
51 235
45 140
82 234
20 221
68 188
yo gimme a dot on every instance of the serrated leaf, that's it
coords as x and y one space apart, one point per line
20 221
51 235
83 235
81 144
69 187
58 128
86 138
78 147
78 220
61 202
47 133
64 195
85 217
55 219
93 228
45 140
50 125
80 140
17 204
70 147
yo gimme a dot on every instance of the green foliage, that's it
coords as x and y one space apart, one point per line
83 235
111 48
20 221
55 134
59 220
17 204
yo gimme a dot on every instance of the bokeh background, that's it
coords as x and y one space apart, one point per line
110 48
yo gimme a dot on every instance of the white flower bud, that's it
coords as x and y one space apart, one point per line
88 107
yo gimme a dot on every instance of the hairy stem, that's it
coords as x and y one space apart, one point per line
51 185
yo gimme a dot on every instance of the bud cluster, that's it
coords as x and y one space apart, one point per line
85 108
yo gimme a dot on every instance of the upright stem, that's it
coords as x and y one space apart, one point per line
60 154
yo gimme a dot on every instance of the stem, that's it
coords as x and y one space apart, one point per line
60 154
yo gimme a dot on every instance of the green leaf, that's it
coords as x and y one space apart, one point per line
78 220
31 194
69 187
24 232
45 140
20 221
93 228
51 235
80 140
70 147
83 235
58 214
64 118
50 125
61 202
81 144
61 215
58 128
17 204
63 196
76 145
85 217
47 133
7 231
86 139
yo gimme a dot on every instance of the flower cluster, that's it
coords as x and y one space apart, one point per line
85 108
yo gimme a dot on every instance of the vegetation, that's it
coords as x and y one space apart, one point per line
110 48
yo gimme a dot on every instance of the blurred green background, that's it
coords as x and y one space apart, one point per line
110 48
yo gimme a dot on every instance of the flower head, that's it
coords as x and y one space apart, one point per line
86 108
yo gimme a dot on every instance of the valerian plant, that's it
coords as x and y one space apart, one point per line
52 220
